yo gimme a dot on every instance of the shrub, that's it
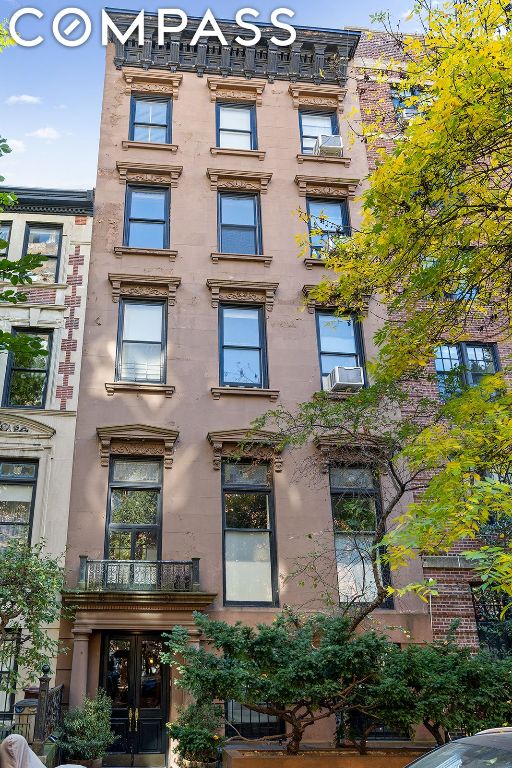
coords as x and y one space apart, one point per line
85 733
195 730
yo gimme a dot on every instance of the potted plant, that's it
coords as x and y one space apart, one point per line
85 734
196 732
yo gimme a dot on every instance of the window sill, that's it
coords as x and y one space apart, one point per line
257 257
301 158
135 386
238 152
124 250
311 262
35 286
149 145
218 392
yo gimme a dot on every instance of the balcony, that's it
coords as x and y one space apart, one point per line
139 575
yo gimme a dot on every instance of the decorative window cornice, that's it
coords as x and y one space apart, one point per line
154 81
258 444
236 89
312 303
242 291
137 440
150 286
336 449
321 96
13 427
250 181
149 173
323 186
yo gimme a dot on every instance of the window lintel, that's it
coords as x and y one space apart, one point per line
144 286
259 445
242 291
239 181
236 89
149 173
137 440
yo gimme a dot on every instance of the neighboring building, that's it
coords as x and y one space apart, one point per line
195 326
39 395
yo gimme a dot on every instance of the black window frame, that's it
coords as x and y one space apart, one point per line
130 188
253 131
7 224
168 125
346 229
10 368
6 480
262 349
335 126
376 493
257 731
45 225
464 364
133 485
257 219
358 337
163 342
251 488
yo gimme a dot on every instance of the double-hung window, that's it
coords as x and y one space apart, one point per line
17 492
313 125
5 236
327 220
26 379
339 342
142 341
242 347
465 364
239 223
236 126
248 533
147 217
354 499
150 120
44 240
134 521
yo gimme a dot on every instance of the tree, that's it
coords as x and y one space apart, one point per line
30 586
301 669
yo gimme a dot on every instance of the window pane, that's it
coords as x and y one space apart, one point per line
134 507
235 118
447 358
315 124
137 471
329 216
150 134
234 140
43 241
354 513
27 360
144 235
331 361
15 503
481 361
145 546
247 510
26 388
120 545
308 145
238 240
242 366
5 233
8 469
351 477
9 532
141 362
148 111
355 573
248 569
142 322
336 334
47 272
147 204
238 209
241 327
245 474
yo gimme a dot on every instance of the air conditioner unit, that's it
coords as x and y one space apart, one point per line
342 379
328 146
408 113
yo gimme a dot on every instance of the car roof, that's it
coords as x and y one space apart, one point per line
499 738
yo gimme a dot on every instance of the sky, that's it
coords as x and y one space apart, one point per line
50 98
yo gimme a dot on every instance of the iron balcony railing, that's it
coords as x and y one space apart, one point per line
139 575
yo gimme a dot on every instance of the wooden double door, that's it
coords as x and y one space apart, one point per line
138 685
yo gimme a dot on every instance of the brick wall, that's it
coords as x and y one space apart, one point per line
69 343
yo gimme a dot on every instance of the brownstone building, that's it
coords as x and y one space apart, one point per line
196 324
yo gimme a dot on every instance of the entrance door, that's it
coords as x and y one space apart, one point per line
137 684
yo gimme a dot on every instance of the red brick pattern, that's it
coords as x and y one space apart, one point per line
69 341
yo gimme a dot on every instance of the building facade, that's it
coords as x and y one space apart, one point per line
40 394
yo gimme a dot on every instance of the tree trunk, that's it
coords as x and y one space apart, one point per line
294 743
435 730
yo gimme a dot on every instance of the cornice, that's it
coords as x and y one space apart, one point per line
152 286
257 444
149 173
325 186
312 303
14 426
137 440
244 291
236 89
153 81
137 602
252 181
324 96
64 202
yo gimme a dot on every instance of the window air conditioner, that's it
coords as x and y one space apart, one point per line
328 146
408 113
342 379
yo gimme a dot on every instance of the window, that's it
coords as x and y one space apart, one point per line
150 120
8 679
459 365
242 347
236 126
147 217
17 492
239 223
327 220
134 520
142 341
400 98
313 125
5 236
248 724
354 502
43 240
339 342
248 533
26 378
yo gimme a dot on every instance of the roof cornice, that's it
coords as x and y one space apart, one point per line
70 202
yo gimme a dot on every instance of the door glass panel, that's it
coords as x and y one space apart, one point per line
150 675
117 682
